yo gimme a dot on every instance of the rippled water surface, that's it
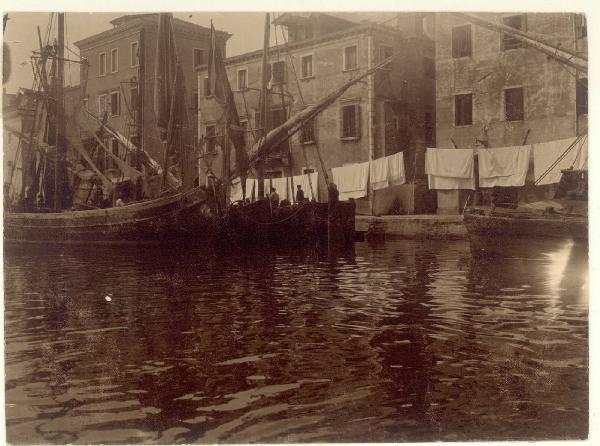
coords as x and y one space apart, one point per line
402 341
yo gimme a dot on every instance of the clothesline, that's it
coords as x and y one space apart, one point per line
449 169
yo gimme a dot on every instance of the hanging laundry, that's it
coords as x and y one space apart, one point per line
396 173
235 192
379 173
450 168
351 180
303 180
282 186
546 154
503 166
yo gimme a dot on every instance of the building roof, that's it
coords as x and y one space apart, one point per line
132 21
361 28
301 18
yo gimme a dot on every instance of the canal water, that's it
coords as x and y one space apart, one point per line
402 341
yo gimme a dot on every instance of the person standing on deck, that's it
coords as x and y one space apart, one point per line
274 197
299 195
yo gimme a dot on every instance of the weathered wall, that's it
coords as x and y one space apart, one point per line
327 76
549 90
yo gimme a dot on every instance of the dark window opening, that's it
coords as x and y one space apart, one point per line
206 87
509 42
115 103
210 137
463 109
461 41
582 96
278 72
307 133
195 102
350 125
513 104
308 171
198 57
350 58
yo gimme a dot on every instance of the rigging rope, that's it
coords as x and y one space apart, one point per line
578 139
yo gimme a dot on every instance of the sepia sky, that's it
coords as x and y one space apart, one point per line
21 35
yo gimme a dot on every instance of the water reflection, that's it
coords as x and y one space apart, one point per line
391 342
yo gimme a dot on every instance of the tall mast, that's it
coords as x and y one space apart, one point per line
141 95
60 151
263 102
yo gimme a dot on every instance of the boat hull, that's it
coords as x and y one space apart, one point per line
551 226
166 218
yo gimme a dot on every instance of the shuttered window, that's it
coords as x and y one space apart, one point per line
210 136
278 72
461 41
516 22
350 122
350 58
115 103
513 104
307 133
463 109
198 57
206 87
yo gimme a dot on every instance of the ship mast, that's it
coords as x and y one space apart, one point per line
263 103
60 152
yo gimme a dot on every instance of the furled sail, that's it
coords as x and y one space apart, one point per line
278 135
169 104
220 90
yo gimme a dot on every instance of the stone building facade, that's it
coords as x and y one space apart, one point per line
387 113
114 73
492 88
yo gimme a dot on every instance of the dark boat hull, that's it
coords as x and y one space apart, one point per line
258 222
166 218
535 226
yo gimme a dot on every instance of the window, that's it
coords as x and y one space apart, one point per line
114 60
385 52
206 87
461 41
307 66
242 79
305 171
135 56
278 72
508 41
115 103
429 68
581 98
134 98
463 109
198 57
307 132
195 104
244 126
86 104
350 125
513 104
350 60
102 104
210 136
580 26
102 64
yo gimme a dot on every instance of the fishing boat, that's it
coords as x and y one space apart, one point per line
566 216
259 221
69 198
